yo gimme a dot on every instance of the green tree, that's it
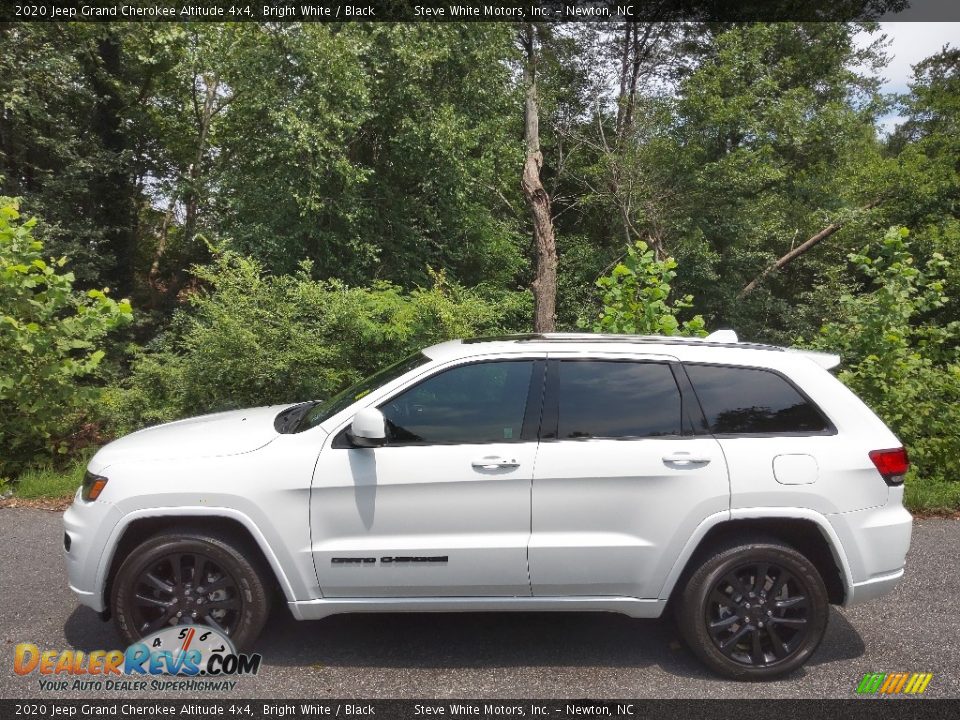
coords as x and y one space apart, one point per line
73 143
927 143
767 142
50 339
926 173
903 363
372 150
636 298
443 144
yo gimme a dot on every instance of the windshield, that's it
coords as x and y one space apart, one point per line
328 408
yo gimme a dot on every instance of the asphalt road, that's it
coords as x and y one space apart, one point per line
487 655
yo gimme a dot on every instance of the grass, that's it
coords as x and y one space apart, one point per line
50 483
933 497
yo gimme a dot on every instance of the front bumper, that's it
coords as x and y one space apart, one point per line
88 525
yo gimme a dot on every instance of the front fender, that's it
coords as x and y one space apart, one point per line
206 511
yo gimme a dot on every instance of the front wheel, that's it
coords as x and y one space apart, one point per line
754 611
189 578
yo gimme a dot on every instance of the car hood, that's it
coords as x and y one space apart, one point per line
227 433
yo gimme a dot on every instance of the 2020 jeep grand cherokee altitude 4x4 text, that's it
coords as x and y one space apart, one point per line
741 484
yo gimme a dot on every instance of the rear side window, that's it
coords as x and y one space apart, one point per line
750 401
610 399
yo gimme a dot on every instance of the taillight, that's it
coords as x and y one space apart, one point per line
892 464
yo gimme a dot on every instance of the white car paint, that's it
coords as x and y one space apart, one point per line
576 524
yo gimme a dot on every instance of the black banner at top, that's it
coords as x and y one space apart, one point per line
477 10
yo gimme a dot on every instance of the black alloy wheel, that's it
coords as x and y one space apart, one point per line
758 614
185 589
753 609
191 578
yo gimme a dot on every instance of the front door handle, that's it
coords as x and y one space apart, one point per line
494 462
685 459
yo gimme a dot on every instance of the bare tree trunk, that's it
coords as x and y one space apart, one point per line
624 65
798 251
194 172
637 51
538 200
203 116
637 57
154 273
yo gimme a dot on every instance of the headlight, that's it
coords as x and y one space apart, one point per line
93 485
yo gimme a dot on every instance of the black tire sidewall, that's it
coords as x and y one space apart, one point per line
254 596
691 614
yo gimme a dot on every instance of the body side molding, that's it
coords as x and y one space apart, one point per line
633 607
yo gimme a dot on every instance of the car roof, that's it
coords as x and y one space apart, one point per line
716 345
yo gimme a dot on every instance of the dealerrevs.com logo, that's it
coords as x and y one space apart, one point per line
894 683
197 657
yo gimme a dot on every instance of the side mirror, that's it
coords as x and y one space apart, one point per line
368 429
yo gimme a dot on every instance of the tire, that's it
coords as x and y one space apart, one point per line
145 596
741 642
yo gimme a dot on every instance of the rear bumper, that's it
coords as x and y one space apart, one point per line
874 588
875 541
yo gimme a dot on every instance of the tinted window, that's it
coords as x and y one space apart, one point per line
608 399
478 403
749 401
324 410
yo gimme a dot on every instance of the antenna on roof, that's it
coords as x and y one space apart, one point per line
722 336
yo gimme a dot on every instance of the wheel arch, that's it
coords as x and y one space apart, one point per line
136 527
807 531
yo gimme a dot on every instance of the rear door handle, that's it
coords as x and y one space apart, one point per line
685 459
494 462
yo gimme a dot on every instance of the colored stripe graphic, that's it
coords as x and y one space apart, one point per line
894 683
870 683
920 682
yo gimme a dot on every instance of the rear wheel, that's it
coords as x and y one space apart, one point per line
754 611
189 578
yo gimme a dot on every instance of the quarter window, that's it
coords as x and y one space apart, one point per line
613 399
478 403
750 401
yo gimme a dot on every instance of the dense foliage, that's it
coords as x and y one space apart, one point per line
902 362
360 184
50 338
253 338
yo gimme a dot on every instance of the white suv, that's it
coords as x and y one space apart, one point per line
741 484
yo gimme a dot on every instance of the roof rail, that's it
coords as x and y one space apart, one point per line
720 338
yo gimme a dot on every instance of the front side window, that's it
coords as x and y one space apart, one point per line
752 401
323 411
614 399
476 403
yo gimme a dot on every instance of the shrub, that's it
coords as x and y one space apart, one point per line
49 337
902 362
251 338
635 298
